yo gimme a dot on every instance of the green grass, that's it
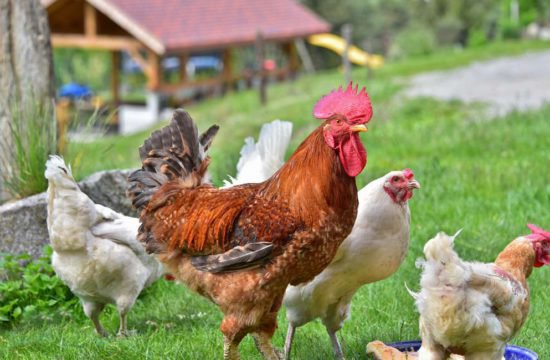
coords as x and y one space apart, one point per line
489 177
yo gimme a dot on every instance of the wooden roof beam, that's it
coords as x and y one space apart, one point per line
97 42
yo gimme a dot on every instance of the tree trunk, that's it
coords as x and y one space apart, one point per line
26 69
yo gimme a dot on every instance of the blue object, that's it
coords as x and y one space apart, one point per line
172 63
74 91
512 352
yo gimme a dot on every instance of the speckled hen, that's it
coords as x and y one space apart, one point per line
240 247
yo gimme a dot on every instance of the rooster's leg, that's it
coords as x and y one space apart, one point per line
338 354
230 349
265 347
233 333
92 311
289 339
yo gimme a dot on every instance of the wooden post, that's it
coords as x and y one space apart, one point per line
260 57
346 34
293 64
115 86
154 73
183 67
304 55
227 74
90 20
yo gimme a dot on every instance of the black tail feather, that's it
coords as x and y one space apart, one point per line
174 152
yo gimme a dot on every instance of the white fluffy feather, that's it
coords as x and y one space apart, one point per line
260 160
96 252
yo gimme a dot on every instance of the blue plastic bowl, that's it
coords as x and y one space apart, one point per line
512 352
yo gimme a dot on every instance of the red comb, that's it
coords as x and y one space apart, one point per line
408 173
537 233
356 107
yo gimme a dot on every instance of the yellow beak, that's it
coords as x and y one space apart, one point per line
358 128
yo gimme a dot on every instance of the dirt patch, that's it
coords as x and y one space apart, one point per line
505 84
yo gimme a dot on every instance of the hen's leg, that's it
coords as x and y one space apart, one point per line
92 311
334 319
124 304
289 339
336 347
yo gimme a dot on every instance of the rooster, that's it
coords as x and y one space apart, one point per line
240 247
372 252
474 309
261 160
96 251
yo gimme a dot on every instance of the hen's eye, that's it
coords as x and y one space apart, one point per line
395 179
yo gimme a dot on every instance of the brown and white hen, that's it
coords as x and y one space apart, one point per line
472 308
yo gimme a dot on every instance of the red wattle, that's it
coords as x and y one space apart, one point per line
353 155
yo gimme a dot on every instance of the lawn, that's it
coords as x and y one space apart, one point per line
486 176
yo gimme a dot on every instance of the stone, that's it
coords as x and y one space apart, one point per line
23 226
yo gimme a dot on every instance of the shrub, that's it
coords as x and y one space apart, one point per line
415 40
29 287
510 30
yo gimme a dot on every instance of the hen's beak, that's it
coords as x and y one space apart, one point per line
358 128
413 184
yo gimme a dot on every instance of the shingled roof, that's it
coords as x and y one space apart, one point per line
184 25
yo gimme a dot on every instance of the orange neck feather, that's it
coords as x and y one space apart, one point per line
313 179
517 259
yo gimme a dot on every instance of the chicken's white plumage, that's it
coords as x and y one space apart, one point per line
96 252
260 160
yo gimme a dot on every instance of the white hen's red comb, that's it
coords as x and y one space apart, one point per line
356 107
408 173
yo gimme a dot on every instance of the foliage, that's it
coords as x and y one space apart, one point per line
510 30
30 287
415 40
32 138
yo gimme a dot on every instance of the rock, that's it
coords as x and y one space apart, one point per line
108 188
23 226
23 223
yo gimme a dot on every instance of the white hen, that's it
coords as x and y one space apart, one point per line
373 251
96 252
262 159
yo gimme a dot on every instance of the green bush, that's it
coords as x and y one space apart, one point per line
415 40
510 30
477 38
30 287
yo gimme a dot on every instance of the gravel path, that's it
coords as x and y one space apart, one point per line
505 84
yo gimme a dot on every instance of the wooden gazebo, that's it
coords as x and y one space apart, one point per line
150 30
